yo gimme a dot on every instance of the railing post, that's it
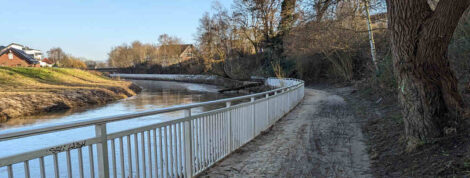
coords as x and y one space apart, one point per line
228 104
288 100
267 110
281 107
102 149
286 105
188 145
275 106
252 100
285 101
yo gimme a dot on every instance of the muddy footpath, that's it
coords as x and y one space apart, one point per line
321 137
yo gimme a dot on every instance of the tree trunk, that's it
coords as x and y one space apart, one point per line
432 105
371 37
287 16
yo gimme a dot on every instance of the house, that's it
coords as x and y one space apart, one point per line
13 57
36 54
45 63
172 54
187 52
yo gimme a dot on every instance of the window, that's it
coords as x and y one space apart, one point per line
10 56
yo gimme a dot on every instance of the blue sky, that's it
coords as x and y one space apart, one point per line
89 28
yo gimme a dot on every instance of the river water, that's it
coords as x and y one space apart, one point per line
156 94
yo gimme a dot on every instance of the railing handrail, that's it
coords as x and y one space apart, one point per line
107 119
182 147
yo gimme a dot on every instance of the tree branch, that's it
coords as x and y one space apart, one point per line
360 31
448 12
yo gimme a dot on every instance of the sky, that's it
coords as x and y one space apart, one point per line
90 28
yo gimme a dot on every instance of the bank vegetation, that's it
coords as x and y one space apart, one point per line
27 91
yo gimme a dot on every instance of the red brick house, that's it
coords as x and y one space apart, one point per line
12 57
46 60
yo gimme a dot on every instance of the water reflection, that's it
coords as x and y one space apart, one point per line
156 94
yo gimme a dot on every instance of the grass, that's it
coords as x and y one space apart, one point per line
27 91
19 79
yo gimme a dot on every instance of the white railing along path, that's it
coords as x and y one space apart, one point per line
182 147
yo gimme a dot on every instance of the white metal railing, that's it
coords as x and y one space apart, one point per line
182 147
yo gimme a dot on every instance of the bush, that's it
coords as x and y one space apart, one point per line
72 63
244 66
193 66
385 79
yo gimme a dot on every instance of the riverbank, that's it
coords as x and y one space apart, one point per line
230 85
28 91
203 79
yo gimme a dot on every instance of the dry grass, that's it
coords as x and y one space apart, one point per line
21 79
26 91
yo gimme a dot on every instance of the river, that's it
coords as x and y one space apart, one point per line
155 94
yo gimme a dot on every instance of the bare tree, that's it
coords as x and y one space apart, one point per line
288 16
420 36
166 39
371 36
317 10
130 55
218 38
120 56
257 20
56 54
169 49
321 8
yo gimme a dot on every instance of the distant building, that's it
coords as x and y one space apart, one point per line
46 63
187 52
172 54
36 54
13 57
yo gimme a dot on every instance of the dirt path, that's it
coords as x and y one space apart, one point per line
319 138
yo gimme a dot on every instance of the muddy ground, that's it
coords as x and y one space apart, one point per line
319 138
440 157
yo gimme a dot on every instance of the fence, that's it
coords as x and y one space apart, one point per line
182 147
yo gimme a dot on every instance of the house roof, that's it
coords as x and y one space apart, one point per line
23 47
180 48
47 61
11 44
20 54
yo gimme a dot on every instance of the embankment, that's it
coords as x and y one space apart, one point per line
204 79
28 91
252 86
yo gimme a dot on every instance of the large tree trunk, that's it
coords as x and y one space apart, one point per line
287 16
432 105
